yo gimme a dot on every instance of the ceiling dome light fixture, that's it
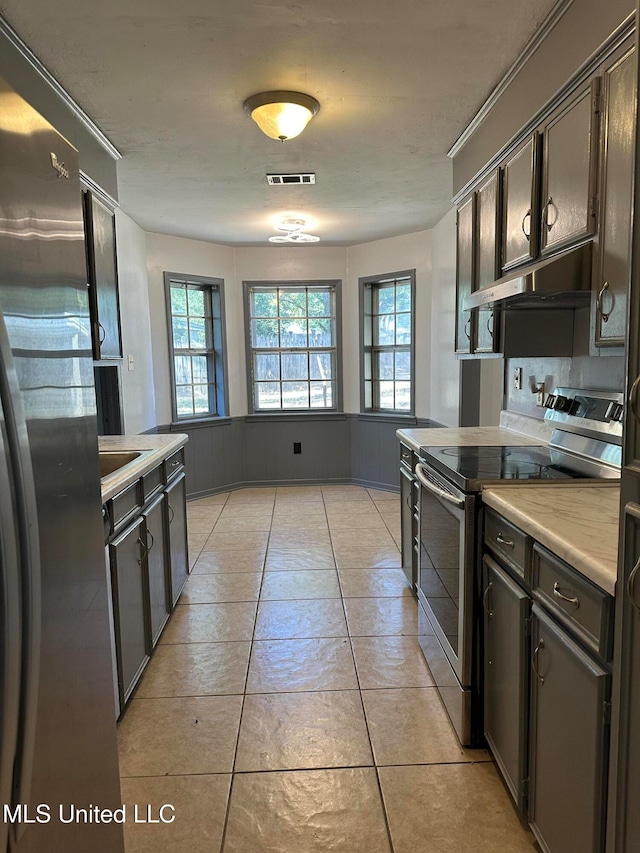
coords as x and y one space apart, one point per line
281 115
292 232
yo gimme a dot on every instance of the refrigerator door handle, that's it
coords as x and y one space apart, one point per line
10 632
26 517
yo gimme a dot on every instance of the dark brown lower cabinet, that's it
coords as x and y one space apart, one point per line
568 741
176 513
156 574
126 554
506 675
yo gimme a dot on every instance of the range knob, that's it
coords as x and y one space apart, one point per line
614 412
550 401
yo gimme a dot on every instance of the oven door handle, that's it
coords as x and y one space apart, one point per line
436 490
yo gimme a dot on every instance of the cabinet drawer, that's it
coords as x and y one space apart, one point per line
125 504
173 464
152 481
579 604
407 457
507 542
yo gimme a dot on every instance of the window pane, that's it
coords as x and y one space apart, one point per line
319 303
180 333
293 333
385 365
321 395
178 300
403 395
386 300
295 395
403 329
294 366
403 365
201 398
200 368
196 302
293 303
183 369
197 333
368 395
267 366
385 328
320 365
264 304
267 395
403 297
184 400
320 333
386 395
264 333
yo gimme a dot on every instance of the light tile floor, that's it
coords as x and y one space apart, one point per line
288 708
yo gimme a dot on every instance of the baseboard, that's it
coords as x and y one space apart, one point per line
261 484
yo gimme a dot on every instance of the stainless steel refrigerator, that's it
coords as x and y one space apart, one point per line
57 718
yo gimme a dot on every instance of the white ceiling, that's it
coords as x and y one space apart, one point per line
165 80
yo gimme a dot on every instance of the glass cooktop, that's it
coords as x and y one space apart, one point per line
469 467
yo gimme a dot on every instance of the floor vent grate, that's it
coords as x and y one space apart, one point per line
299 178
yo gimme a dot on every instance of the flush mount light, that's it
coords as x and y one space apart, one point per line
281 115
293 232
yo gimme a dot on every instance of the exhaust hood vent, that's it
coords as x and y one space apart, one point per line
563 281
297 178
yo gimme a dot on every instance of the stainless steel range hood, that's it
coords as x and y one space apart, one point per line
563 281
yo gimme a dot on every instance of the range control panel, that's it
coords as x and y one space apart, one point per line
603 410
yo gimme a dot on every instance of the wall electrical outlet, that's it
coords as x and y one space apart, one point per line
517 378
130 363
297 447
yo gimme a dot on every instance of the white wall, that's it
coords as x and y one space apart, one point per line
193 257
395 254
445 368
138 398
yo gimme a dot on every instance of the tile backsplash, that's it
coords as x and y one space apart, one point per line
604 373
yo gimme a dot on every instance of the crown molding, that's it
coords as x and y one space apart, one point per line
29 56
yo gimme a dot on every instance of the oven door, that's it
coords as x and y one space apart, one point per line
446 567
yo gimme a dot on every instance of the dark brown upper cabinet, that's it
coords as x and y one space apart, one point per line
465 274
570 150
520 204
102 277
488 267
611 271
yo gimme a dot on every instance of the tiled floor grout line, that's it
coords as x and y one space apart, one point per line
244 692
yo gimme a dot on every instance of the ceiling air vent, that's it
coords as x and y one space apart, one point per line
298 178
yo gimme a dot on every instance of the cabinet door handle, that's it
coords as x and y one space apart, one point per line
102 333
143 551
633 398
485 599
558 594
490 318
604 314
534 660
508 542
468 333
549 204
631 584
149 534
171 510
524 219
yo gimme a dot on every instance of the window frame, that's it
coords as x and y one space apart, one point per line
367 286
215 294
336 285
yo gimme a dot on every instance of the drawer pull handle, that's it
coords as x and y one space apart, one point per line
508 542
534 660
485 597
631 585
175 463
558 594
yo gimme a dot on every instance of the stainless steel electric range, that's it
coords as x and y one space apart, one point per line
585 447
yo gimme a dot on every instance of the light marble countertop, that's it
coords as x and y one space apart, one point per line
577 523
152 448
465 436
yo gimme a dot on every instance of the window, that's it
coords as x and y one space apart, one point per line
195 309
387 331
293 333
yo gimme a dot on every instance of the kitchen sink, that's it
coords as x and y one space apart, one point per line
111 460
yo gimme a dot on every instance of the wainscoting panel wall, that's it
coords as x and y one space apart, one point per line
257 450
